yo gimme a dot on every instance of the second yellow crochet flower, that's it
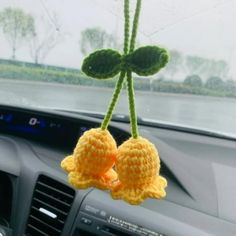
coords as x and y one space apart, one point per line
138 167
92 161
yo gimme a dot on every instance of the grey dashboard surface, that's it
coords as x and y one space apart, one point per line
200 196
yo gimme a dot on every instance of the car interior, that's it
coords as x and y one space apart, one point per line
37 200
47 104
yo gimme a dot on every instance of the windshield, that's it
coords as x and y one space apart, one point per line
43 43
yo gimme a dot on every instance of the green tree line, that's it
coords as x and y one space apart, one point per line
213 86
199 75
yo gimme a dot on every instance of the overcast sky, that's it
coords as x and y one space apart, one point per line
200 27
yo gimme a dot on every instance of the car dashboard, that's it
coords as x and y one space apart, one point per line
35 198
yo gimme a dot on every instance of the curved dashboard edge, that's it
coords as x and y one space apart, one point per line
167 218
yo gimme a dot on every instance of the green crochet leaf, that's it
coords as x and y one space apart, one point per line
147 60
102 64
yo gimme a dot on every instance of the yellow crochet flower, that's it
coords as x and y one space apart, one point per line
138 167
92 161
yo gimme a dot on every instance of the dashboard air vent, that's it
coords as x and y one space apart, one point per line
50 206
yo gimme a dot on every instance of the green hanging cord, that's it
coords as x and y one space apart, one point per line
130 86
133 117
126 33
135 25
120 81
115 97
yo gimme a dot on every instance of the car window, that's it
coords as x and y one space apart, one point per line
43 43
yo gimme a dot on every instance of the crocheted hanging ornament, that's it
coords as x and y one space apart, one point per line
138 167
95 153
92 161
137 161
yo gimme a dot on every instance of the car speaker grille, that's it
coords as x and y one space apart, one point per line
50 206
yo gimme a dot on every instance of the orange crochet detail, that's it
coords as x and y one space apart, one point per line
136 161
138 167
92 161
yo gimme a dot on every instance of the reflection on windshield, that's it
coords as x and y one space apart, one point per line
46 41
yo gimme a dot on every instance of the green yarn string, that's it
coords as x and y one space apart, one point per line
119 84
126 33
115 97
130 86
135 25
120 81
133 116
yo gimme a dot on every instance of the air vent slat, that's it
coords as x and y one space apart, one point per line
50 206
44 223
36 231
56 190
38 213
51 197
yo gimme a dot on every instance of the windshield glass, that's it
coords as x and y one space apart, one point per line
43 43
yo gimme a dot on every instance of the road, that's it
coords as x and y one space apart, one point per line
212 113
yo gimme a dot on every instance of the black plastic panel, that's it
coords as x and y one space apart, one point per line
200 195
48 128
6 197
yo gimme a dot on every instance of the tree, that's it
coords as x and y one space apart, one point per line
193 81
17 26
206 67
230 87
195 64
218 68
175 62
215 83
44 39
96 38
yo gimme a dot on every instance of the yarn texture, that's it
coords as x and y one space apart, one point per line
102 64
138 167
132 171
147 60
92 161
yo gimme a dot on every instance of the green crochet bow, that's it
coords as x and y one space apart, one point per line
107 63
